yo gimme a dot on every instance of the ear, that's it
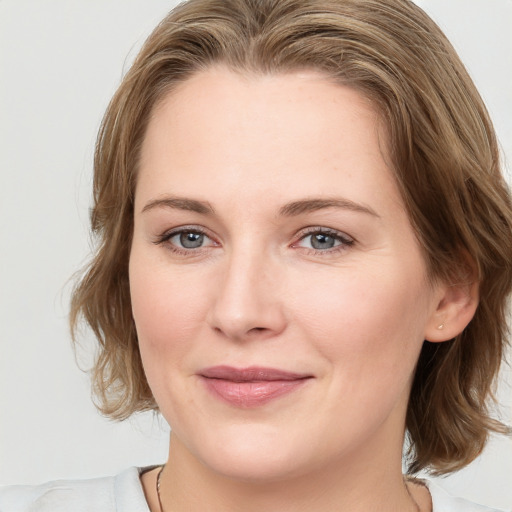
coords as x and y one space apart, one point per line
456 306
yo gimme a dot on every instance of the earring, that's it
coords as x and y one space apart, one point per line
440 327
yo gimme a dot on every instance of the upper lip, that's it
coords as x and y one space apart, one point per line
250 374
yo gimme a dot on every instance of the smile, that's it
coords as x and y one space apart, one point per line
250 387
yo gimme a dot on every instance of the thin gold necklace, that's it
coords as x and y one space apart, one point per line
158 488
418 509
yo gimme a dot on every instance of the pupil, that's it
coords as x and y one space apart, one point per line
191 240
322 241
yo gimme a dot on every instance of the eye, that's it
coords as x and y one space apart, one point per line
185 240
324 240
188 239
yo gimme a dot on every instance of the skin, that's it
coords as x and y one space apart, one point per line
353 316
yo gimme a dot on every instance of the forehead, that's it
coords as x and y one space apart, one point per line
274 134
301 101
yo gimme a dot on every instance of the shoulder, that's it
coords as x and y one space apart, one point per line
442 501
121 493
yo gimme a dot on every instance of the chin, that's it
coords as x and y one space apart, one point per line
244 467
251 456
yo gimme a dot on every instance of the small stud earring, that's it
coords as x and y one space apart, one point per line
440 327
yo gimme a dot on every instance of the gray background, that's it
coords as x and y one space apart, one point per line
60 62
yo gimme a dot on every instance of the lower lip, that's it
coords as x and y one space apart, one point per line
251 394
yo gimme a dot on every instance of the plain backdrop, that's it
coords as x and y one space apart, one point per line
60 62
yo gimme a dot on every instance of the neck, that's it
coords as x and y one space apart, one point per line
356 484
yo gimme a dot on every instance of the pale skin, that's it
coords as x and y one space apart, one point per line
335 288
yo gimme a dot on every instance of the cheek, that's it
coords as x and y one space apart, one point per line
167 308
365 317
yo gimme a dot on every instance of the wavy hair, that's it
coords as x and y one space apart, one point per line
445 158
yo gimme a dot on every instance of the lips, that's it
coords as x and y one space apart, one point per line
251 387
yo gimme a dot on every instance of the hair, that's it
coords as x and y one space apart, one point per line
445 157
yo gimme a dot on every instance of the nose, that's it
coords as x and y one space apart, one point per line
248 302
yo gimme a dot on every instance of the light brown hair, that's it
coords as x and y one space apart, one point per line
445 157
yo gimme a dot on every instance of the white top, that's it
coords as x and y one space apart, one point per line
124 493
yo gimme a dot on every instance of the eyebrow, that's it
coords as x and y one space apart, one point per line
291 209
180 203
314 204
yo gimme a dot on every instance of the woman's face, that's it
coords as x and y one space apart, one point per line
278 290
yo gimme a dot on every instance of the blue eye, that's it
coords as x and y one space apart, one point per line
185 240
324 241
188 239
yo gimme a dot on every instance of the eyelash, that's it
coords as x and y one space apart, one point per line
344 240
166 237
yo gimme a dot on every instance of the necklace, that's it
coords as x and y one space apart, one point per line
413 480
158 488
411 497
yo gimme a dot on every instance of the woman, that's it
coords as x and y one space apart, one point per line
305 251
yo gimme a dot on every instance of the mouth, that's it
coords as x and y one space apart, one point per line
251 387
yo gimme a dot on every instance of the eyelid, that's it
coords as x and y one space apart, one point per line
194 228
345 240
325 230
